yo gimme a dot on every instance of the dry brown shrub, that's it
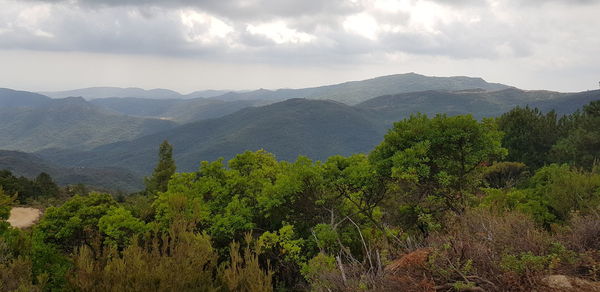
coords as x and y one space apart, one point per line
582 235
470 252
410 272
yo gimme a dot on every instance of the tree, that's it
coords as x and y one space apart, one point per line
581 146
46 186
529 135
163 171
118 226
75 222
5 206
434 164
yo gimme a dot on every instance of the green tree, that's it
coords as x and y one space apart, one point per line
118 226
435 163
581 146
46 186
75 222
5 206
529 135
163 171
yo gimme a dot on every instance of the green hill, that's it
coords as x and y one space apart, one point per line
317 129
479 103
178 110
69 123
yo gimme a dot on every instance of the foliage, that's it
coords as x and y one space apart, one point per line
436 162
175 261
42 186
119 226
529 135
505 174
75 222
581 146
163 171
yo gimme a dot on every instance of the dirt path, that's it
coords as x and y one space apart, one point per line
23 217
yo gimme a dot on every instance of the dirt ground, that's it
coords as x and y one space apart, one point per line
21 217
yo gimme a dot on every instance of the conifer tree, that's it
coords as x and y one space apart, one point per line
163 171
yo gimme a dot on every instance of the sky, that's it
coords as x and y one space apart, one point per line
189 45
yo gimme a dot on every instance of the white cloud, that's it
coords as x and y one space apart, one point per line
362 24
203 27
280 33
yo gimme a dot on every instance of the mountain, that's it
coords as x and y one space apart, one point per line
355 92
15 98
178 110
317 129
28 165
568 103
207 93
102 92
479 103
69 123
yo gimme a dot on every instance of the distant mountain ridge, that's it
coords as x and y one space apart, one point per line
102 92
352 92
17 98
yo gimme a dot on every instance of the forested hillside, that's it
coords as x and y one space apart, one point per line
70 123
317 129
178 110
442 203
30 166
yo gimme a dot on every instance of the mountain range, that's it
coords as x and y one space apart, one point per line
35 123
123 132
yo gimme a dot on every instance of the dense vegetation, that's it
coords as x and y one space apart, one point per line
442 203
105 178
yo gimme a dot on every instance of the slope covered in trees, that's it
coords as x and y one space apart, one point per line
107 178
294 127
178 110
70 123
479 103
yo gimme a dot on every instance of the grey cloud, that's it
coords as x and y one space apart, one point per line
241 10
154 27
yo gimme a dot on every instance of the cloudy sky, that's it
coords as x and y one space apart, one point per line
189 45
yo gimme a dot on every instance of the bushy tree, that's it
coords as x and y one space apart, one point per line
529 135
435 163
118 226
75 222
581 146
